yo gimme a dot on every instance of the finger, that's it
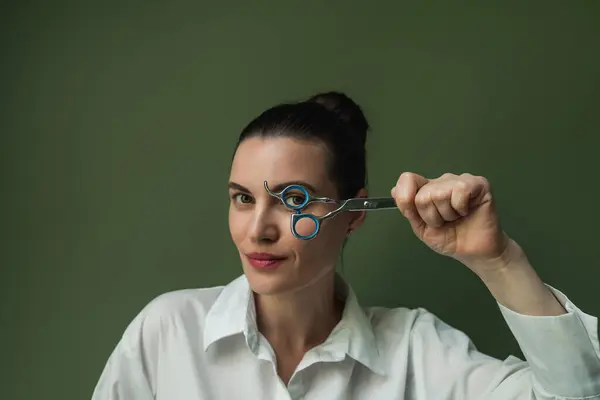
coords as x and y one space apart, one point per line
405 191
442 199
427 209
416 222
479 189
461 195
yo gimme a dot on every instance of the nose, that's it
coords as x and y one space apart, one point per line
265 225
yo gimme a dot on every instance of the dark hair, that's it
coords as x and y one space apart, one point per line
330 118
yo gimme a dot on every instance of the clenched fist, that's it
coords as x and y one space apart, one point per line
453 214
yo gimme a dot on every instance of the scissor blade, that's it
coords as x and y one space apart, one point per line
371 203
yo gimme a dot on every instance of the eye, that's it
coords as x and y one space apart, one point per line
294 199
242 198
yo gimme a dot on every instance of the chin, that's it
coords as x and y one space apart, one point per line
269 282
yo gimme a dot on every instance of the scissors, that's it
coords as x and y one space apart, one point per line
354 204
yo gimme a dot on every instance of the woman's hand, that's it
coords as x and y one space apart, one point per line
455 216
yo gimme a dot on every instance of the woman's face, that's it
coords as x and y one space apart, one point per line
260 224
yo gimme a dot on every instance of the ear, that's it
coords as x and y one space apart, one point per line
358 217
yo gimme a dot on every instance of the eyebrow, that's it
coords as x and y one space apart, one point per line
277 188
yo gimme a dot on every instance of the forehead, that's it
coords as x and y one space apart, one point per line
279 160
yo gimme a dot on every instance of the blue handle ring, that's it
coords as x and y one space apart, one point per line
295 187
297 217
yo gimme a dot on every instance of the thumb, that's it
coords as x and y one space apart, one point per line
410 213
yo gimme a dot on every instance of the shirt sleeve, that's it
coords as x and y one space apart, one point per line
562 359
562 352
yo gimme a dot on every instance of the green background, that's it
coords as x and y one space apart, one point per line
118 122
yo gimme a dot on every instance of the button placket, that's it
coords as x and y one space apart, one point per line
296 387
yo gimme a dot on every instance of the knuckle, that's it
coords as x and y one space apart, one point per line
461 185
438 195
402 200
406 176
422 198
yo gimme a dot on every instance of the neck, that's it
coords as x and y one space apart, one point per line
296 322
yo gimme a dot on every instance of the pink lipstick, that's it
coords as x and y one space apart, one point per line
265 260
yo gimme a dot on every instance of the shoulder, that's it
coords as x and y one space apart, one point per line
184 307
422 334
384 318
182 302
418 337
412 324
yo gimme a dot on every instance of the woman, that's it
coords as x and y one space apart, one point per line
291 328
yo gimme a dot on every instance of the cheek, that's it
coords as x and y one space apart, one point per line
237 225
326 246
337 227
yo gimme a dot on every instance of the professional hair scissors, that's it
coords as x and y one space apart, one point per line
354 204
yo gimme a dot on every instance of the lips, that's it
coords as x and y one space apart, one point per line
265 260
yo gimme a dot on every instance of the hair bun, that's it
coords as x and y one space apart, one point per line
345 110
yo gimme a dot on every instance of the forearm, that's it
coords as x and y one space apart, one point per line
515 284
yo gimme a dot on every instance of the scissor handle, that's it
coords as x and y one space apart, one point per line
297 217
308 198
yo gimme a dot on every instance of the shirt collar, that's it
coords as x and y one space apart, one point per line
233 312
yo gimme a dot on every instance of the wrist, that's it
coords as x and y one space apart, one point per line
511 258
514 283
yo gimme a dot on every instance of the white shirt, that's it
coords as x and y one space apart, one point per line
199 344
